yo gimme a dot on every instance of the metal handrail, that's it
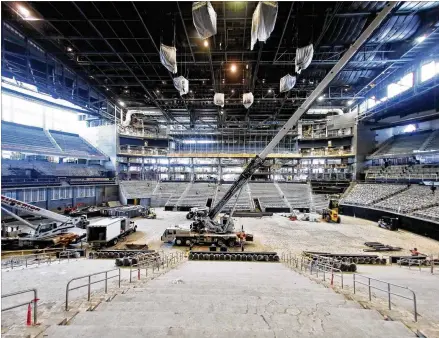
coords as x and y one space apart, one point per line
25 260
322 267
418 262
34 301
155 263
90 283
388 291
305 262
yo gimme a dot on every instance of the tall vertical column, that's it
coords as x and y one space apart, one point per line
363 144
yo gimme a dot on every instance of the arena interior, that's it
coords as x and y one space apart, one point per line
289 150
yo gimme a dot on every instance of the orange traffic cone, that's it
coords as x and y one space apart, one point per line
29 315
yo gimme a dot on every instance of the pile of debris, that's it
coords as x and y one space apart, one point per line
130 260
349 258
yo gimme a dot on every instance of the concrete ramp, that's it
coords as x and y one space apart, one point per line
230 299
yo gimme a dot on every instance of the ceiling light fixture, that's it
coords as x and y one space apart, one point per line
157 91
270 90
24 12
233 90
222 112
350 102
421 38
206 43
321 98
233 68
122 103
69 49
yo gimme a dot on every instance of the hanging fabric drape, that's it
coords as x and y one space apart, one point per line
168 57
263 21
287 83
247 100
304 57
181 84
218 99
204 18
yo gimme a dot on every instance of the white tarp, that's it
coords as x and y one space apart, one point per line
218 99
304 57
263 21
204 18
168 57
247 100
287 83
181 84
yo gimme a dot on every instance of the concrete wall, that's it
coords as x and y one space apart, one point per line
103 138
363 144
103 193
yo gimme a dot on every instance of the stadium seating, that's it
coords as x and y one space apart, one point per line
198 194
27 139
403 144
403 172
137 189
31 139
53 169
243 203
320 202
431 213
367 194
74 144
268 195
297 194
414 198
173 190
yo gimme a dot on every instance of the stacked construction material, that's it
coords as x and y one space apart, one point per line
234 256
377 246
349 258
116 253
130 260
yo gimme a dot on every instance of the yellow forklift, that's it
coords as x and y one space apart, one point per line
330 214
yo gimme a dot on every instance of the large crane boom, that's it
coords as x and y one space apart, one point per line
34 210
259 159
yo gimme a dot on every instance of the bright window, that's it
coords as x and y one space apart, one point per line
401 86
429 70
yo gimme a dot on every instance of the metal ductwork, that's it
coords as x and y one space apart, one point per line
146 112
325 110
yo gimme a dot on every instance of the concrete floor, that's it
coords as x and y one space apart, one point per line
274 233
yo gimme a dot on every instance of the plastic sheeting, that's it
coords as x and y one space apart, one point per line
287 83
263 21
181 84
204 18
168 57
304 57
218 99
247 100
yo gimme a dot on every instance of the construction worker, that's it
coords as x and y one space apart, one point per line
415 252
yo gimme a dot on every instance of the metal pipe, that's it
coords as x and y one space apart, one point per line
30 225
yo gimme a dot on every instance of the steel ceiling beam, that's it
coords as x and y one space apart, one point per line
129 68
283 32
185 31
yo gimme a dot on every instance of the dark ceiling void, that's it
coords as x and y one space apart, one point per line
114 48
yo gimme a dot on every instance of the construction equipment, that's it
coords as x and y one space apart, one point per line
61 225
389 223
197 212
149 213
330 214
108 231
209 223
